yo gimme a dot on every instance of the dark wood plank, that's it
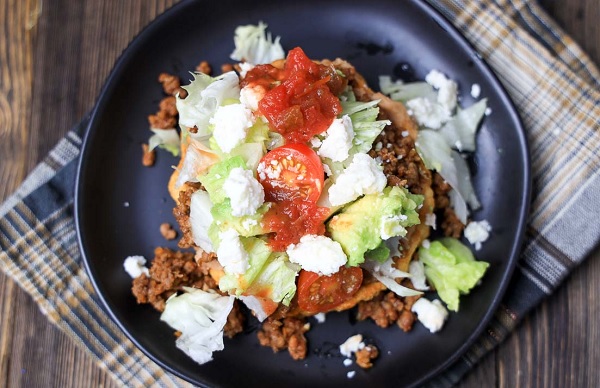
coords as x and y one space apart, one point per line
58 64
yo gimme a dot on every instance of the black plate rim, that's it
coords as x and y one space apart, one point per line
457 36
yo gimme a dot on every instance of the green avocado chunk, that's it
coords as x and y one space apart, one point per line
362 225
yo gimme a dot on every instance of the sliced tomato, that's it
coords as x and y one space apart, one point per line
291 172
323 293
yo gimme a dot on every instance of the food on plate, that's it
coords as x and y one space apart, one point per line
302 191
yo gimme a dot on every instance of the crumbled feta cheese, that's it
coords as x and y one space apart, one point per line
430 219
244 191
475 90
347 361
318 254
477 232
428 114
134 266
245 67
231 123
315 142
352 345
378 146
404 133
417 275
447 90
231 253
362 176
320 317
351 374
338 140
251 95
431 314
426 244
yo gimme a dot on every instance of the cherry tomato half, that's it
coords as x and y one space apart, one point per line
291 172
323 293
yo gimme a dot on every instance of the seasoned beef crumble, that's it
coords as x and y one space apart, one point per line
286 333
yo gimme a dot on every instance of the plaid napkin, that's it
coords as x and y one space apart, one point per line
556 90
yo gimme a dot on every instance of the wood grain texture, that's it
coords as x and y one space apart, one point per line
54 59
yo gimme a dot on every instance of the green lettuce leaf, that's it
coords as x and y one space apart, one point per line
216 176
451 270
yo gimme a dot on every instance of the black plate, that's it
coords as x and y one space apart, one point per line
120 204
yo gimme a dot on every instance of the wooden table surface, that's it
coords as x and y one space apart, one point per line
54 58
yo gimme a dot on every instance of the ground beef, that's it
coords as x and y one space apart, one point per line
166 116
400 159
167 231
451 225
148 156
285 333
388 308
235 321
365 356
204 67
171 83
182 214
169 273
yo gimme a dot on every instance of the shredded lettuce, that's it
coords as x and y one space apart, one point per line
270 274
246 226
200 316
451 270
201 220
438 155
278 278
216 176
167 139
387 274
198 159
205 95
258 254
460 131
255 45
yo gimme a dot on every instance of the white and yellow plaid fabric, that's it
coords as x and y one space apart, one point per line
556 90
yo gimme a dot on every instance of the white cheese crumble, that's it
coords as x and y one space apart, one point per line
477 232
352 345
431 314
318 254
351 374
244 191
251 95
320 317
475 90
134 266
362 176
231 123
417 275
231 253
430 219
428 114
245 67
447 89
347 361
338 140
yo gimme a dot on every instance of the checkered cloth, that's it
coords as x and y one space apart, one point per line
556 90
